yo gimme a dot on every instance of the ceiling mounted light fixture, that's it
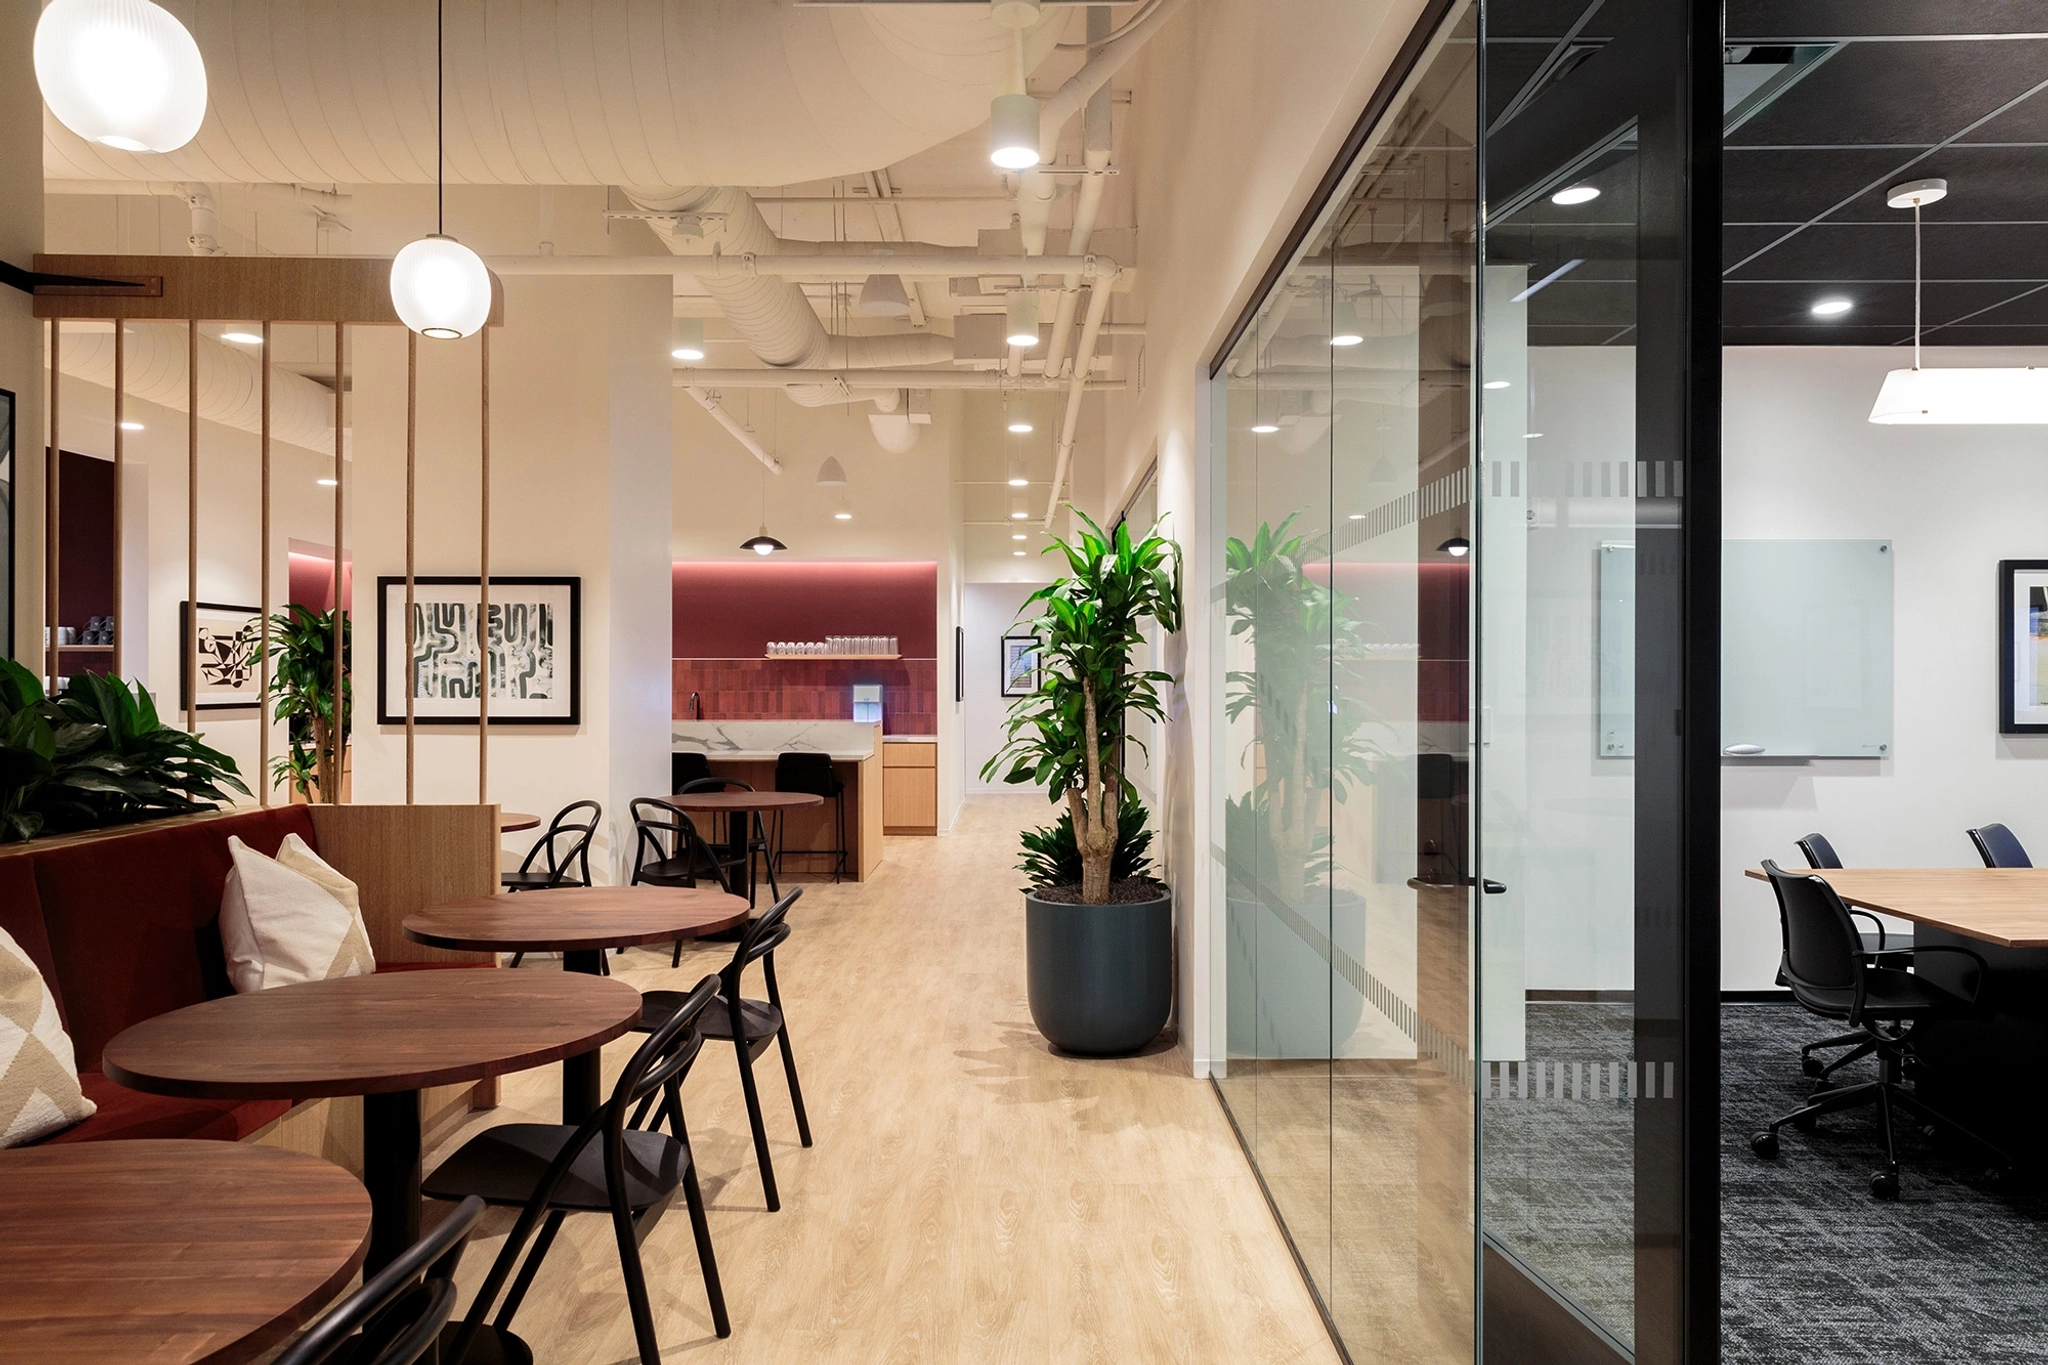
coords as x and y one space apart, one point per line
122 73
1264 428
1344 328
686 339
1020 320
131 426
845 512
1013 132
440 287
832 474
1830 308
325 483
1495 384
2015 395
1017 417
761 543
1457 547
1017 536
242 338
1575 194
883 296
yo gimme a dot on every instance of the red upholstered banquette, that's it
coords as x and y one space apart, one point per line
125 928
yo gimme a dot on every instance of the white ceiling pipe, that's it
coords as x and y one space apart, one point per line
678 92
204 239
709 402
801 264
863 382
1084 356
230 380
1096 141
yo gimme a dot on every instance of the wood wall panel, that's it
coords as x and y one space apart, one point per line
350 289
405 858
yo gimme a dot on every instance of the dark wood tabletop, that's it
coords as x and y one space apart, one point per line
169 1252
744 801
511 820
577 919
369 1035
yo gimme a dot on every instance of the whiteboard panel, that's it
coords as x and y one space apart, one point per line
1806 648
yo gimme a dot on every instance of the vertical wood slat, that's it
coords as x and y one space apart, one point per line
412 421
263 628
189 666
120 487
339 730
483 625
52 511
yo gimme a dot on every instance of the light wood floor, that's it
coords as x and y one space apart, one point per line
971 1196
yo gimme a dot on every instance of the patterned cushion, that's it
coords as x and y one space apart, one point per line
290 918
39 1091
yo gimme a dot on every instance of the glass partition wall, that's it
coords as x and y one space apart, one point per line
1469 571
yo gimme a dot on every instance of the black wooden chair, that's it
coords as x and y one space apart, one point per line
812 774
603 1165
1831 976
668 851
566 849
397 1314
751 1025
745 832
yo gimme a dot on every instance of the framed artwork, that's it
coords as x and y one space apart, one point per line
1020 665
2023 646
227 656
536 651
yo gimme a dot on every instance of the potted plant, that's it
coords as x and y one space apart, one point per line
315 765
1098 930
97 755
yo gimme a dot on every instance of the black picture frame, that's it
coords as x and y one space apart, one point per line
8 465
391 643
2015 626
959 663
186 615
1006 677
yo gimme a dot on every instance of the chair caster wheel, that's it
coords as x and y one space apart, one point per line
1885 1185
1998 1177
1764 1144
1929 1131
1812 1066
1806 1123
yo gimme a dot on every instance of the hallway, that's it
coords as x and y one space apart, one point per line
971 1197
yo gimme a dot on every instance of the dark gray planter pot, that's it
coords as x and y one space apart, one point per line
1100 976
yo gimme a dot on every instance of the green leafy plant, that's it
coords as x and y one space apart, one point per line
1052 858
302 681
1068 735
97 755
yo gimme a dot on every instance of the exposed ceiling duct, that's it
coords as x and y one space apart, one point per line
230 381
605 92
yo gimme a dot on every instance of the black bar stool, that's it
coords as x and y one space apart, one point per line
813 775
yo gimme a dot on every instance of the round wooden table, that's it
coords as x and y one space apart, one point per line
579 922
171 1252
385 1037
732 802
510 821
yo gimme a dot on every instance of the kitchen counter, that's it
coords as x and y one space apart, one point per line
747 750
846 741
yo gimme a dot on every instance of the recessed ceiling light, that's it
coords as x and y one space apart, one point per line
1831 308
1018 536
1264 429
1018 553
1575 194
1494 384
242 338
842 516
1020 516
1020 483
1358 516
1532 435
131 426
325 483
1344 328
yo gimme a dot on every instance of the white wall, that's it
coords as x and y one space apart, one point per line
21 356
988 612
1801 461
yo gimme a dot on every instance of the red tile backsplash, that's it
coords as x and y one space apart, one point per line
809 689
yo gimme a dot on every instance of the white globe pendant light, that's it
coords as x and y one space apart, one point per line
124 73
440 287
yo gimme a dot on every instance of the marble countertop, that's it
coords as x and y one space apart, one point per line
910 739
761 740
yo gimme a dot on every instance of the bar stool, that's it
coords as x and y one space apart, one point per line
813 775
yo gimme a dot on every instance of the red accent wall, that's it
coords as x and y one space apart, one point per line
312 581
732 610
809 689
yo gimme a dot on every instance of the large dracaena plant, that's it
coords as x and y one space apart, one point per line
302 644
97 755
1308 727
1068 735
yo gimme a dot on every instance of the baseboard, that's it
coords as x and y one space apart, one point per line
1526 1322
1772 997
1582 997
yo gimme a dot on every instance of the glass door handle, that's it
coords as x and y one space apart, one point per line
1491 887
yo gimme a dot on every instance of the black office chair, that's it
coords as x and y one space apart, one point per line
668 851
746 836
567 864
397 1314
1888 948
1824 963
603 1165
683 769
1998 847
757 1022
812 774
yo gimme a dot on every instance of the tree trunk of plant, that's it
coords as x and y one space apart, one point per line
323 763
1095 810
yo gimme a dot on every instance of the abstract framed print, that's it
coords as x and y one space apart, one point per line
228 652
1020 665
536 651
2023 646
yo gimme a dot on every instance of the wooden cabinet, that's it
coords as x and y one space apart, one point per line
910 787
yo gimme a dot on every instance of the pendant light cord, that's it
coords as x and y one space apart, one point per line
440 120
1916 283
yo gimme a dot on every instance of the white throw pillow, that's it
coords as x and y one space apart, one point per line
39 1091
290 918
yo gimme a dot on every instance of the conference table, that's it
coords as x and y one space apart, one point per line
2006 907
